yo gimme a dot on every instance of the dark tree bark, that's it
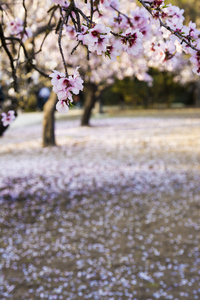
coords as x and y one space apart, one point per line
99 101
196 94
2 129
89 102
49 121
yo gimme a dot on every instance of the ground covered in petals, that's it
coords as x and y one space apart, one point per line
113 212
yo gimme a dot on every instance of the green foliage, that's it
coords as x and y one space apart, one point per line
165 92
133 92
31 103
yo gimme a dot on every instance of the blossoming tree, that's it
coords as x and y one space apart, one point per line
98 39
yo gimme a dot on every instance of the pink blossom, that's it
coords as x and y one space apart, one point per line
16 27
113 51
174 14
107 3
55 78
145 77
193 32
159 54
70 30
140 17
100 46
76 81
156 3
65 88
195 60
8 118
96 38
62 106
132 41
118 20
179 47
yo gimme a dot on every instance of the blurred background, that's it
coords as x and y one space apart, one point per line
112 212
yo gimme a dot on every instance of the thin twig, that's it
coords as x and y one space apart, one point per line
75 48
48 28
78 20
83 15
23 32
65 19
74 22
4 45
91 10
118 35
28 59
119 12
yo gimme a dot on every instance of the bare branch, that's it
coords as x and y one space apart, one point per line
78 20
4 45
28 58
23 32
59 41
119 12
83 15
75 48
91 9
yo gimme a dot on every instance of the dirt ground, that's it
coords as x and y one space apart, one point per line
113 212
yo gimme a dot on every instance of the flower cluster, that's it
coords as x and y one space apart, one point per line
65 87
8 118
195 60
132 41
129 33
96 38
190 34
111 28
16 27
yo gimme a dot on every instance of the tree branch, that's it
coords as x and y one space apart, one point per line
29 59
4 45
64 20
162 24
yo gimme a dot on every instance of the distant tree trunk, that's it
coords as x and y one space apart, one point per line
90 99
99 100
49 121
146 102
2 129
100 105
196 94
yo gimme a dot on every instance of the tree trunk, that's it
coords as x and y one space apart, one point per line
90 99
49 121
99 101
196 94
2 129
